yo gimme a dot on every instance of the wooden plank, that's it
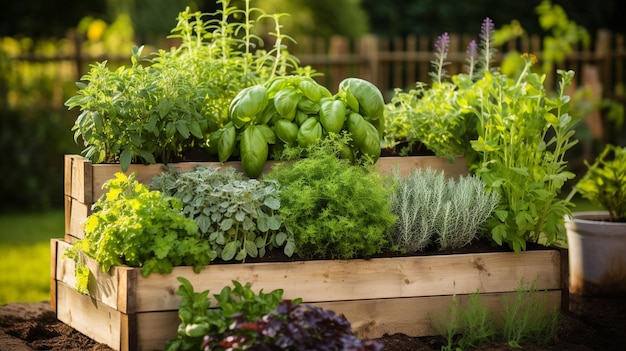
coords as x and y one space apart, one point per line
89 316
76 213
53 274
405 165
326 280
101 173
413 316
154 329
80 175
103 286
369 318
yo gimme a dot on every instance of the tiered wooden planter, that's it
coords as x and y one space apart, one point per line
378 296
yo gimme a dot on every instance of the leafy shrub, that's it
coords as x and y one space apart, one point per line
199 318
161 106
131 225
239 217
242 319
335 209
431 208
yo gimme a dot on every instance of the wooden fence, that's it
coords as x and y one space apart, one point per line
392 63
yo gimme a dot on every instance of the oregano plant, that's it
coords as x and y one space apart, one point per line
237 216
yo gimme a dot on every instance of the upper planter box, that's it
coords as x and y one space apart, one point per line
84 180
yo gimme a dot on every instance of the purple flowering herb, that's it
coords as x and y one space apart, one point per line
472 50
486 37
442 46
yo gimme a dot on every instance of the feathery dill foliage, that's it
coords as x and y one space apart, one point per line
431 208
527 318
236 215
334 209
465 327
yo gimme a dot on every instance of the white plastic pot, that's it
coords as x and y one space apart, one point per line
597 254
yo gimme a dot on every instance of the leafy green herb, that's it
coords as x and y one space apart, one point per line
513 134
131 225
335 209
604 184
199 318
238 217
290 110
157 108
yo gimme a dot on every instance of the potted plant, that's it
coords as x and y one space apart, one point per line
597 239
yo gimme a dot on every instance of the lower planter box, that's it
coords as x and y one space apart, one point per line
378 296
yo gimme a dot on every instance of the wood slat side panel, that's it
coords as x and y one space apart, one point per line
154 329
325 281
76 213
79 172
100 173
53 274
89 316
369 318
103 287
412 316
145 173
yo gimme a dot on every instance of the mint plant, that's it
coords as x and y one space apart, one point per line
433 209
158 108
131 225
199 318
239 217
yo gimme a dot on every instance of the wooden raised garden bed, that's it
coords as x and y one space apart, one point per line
378 296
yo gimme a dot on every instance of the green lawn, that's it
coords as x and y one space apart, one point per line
25 255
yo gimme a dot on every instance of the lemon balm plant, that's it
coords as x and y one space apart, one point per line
159 107
512 131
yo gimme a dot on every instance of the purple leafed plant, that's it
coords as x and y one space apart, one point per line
293 327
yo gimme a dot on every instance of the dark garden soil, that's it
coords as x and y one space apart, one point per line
592 323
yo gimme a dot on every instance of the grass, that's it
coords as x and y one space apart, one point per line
25 258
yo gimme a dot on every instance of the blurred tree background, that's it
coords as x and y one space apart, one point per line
35 125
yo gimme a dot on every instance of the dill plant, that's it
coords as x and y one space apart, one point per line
334 209
431 208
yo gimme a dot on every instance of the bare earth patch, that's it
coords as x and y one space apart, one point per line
592 323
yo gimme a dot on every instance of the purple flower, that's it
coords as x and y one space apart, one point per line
442 45
472 49
486 30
